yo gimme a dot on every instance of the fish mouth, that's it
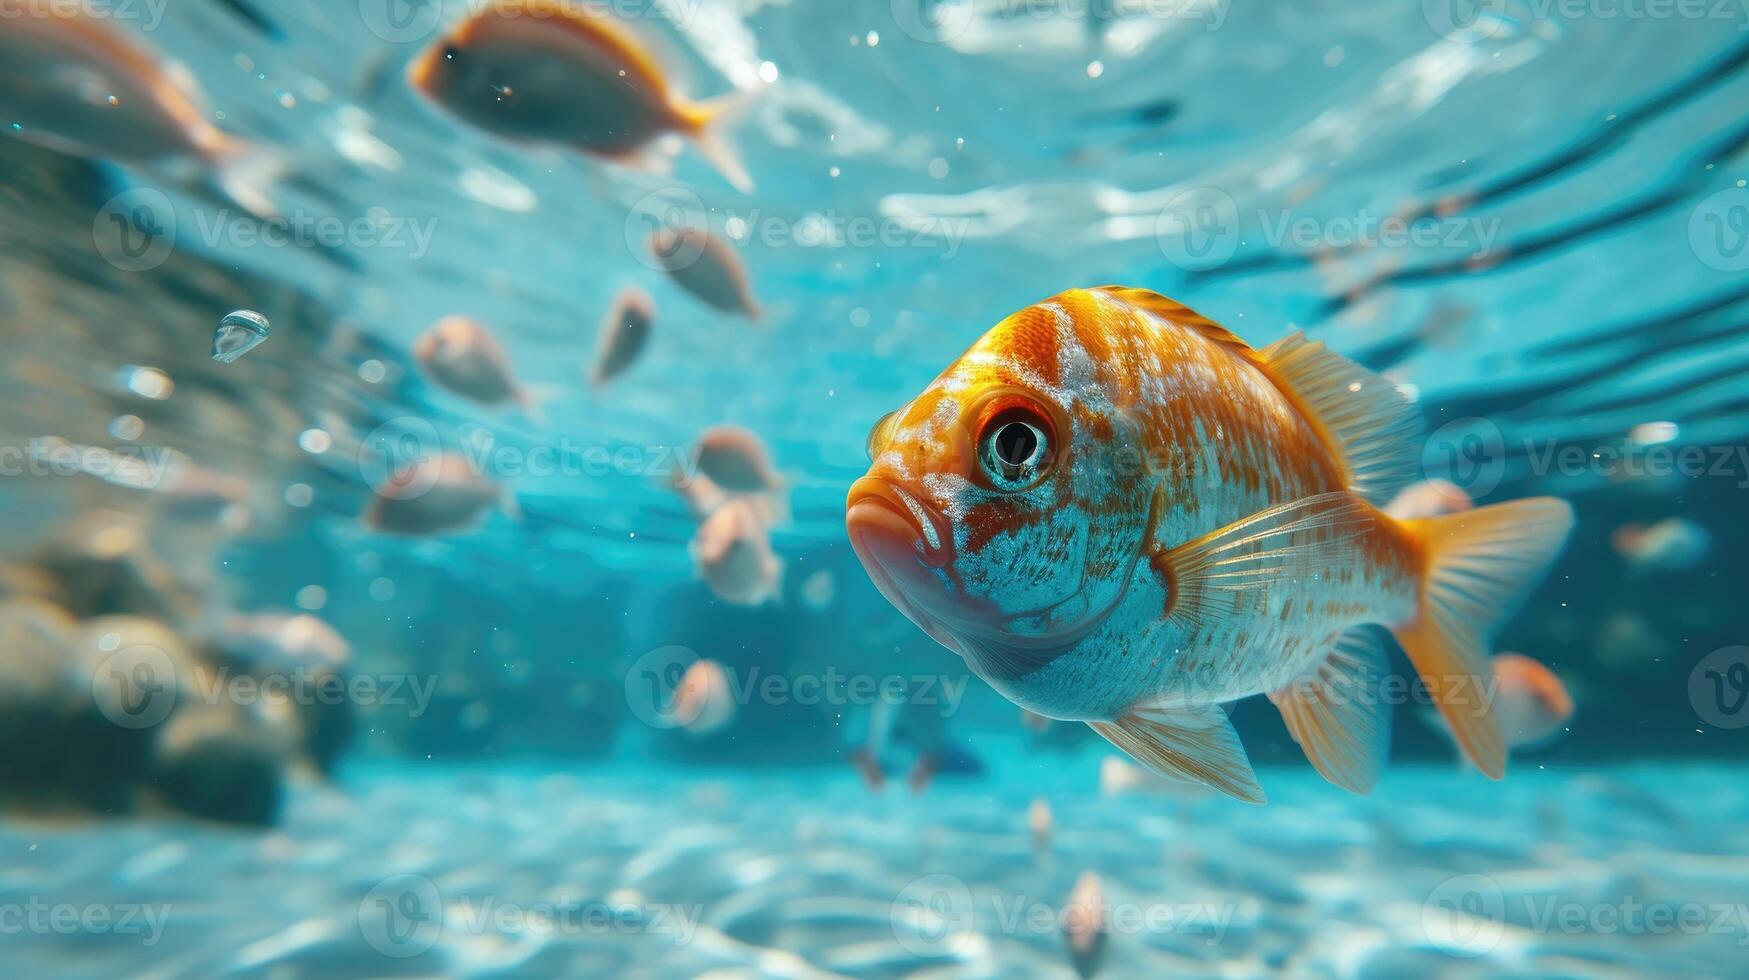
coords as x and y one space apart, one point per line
906 546
881 514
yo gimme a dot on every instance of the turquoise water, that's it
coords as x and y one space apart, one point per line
468 759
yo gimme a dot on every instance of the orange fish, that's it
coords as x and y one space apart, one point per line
1085 927
75 82
735 459
1041 823
1532 702
1117 512
552 73
1429 498
703 703
624 334
705 266
732 552
434 495
465 358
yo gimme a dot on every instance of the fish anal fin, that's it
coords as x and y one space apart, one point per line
1371 426
1186 742
1229 572
1336 714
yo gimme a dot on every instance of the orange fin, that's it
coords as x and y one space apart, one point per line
1480 565
1336 714
709 123
1226 573
1186 742
1367 421
1177 314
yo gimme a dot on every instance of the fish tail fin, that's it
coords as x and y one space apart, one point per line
1479 565
710 123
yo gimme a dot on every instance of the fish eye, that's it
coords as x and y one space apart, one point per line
1015 450
451 52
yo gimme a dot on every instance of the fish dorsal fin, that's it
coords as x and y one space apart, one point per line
1177 314
1373 428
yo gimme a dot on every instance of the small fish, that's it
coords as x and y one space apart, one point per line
1671 545
433 495
553 73
240 332
1117 512
1427 499
702 497
1040 822
1084 926
703 702
465 358
284 642
732 552
916 725
1532 702
705 266
625 331
74 81
734 459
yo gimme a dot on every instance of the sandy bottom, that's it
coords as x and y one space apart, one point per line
624 872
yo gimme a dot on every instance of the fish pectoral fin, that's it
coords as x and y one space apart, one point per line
1336 714
1368 420
1186 742
1224 575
